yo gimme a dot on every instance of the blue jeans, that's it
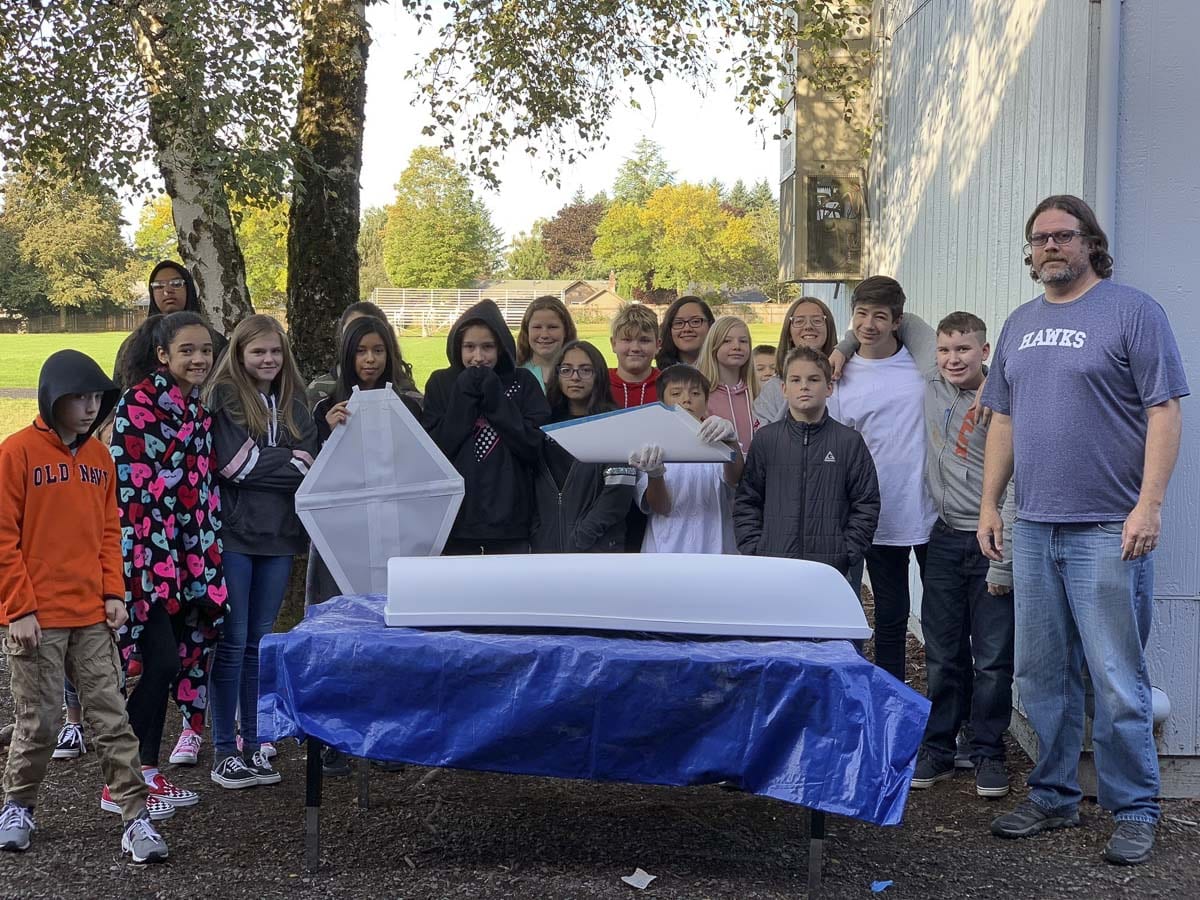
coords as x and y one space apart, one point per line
1077 601
256 587
968 647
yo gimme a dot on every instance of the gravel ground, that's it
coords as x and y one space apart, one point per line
454 834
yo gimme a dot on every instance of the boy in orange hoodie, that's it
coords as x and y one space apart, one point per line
62 595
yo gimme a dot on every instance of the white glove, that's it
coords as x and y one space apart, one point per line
715 430
649 460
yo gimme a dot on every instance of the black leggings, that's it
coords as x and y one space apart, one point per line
147 705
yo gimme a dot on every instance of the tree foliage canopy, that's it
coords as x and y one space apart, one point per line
546 77
527 257
371 272
77 87
61 244
569 237
439 234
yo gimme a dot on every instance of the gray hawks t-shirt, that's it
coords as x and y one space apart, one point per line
1076 378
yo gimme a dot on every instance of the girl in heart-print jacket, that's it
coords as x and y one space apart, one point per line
169 506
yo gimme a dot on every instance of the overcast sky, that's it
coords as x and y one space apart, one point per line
703 137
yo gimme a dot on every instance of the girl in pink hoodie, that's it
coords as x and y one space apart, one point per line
727 361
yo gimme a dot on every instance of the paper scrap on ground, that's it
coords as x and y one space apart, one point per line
611 437
639 879
878 887
379 488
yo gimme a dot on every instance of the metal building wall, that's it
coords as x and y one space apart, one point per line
987 108
1155 247
972 91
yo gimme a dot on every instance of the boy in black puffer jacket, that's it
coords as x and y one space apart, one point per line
485 414
809 490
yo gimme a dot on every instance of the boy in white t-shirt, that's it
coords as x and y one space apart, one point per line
882 395
689 505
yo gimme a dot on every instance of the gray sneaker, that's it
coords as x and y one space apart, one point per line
991 778
1028 818
962 749
16 825
1131 844
142 842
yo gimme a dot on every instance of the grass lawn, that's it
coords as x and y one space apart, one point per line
15 415
22 355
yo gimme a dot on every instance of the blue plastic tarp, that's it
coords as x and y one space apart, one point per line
806 722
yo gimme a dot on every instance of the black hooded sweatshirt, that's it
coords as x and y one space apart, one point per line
488 423
71 372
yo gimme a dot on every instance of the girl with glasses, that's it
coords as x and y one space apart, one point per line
581 507
808 323
684 328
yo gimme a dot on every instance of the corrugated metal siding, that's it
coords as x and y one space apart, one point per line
970 84
1158 226
963 158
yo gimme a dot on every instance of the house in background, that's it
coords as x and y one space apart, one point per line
981 110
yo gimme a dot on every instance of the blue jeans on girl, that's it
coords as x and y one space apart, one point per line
256 587
1077 601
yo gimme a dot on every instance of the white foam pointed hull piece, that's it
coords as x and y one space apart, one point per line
610 437
682 593
379 488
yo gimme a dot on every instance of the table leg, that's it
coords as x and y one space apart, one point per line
816 843
312 805
364 783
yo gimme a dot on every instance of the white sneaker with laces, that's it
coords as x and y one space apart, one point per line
70 743
187 748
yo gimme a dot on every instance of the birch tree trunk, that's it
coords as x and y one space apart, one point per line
323 228
185 151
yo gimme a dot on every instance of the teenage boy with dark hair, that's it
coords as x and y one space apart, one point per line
966 608
486 413
62 594
809 490
881 395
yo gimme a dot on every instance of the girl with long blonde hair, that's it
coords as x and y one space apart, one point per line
264 443
727 361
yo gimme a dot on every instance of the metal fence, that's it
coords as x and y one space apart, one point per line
427 312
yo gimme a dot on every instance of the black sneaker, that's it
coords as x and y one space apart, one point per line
930 770
258 763
233 773
70 743
334 763
1131 844
1029 818
991 778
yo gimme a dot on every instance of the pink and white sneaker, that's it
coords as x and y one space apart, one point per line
158 809
169 792
187 748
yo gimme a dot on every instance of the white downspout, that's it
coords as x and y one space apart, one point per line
1109 76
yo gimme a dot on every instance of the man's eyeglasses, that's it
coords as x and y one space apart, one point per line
1061 238
174 283
814 321
571 371
693 323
